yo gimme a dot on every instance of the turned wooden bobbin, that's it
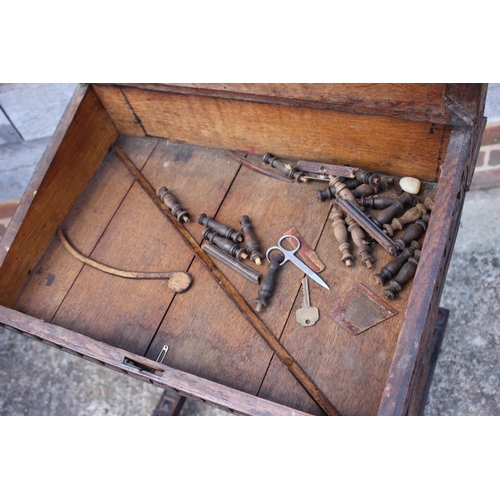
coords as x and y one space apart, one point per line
363 190
221 229
342 192
404 275
377 202
413 232
173 204
228 246
371 178
392 267
409 216
286 170
329 192
341 234
269 282
251 242
386 181
358 237
397 208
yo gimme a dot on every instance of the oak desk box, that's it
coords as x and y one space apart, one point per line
176 135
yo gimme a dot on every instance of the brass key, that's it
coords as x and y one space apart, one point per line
306 315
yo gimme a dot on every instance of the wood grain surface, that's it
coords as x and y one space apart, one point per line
74 154
116 223
141 368
292 132
57 269
429 278
182 131
410 101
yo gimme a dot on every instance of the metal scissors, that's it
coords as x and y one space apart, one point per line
290 255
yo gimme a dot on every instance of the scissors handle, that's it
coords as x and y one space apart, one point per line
290 256
287 253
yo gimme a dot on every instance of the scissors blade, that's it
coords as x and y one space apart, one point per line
308 271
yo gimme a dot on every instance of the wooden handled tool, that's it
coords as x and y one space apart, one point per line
178 281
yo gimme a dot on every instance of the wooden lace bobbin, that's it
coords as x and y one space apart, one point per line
371 178
225 231
392 267
341 190
173 204
396 209
377 203
357 234
329 192
404 275
409 216
268 284
358 237
363 190
412 233
251 242
386 181
224 244
286 170
341 234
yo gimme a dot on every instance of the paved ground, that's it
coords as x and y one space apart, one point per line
39 380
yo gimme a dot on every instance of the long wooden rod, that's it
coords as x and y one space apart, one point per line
229 289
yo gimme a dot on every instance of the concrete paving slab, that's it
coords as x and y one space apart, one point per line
7 132
18 161
467 376
35 108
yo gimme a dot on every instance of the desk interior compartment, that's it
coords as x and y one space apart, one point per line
176 136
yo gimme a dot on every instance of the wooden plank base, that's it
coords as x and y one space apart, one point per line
116 223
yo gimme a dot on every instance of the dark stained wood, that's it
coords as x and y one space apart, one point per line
430 276
295 133
53 276
159 374
420 102
466 101
74 154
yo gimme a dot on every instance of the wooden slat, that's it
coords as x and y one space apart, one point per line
74 154
430 276
163 376
57 270
126 313
123 116
225 285
466 101
231 351
350 370
410 101
380 143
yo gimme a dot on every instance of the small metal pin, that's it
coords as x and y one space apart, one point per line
162 354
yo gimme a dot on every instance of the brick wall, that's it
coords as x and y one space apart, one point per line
489 154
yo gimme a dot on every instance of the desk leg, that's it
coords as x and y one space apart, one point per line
169 405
